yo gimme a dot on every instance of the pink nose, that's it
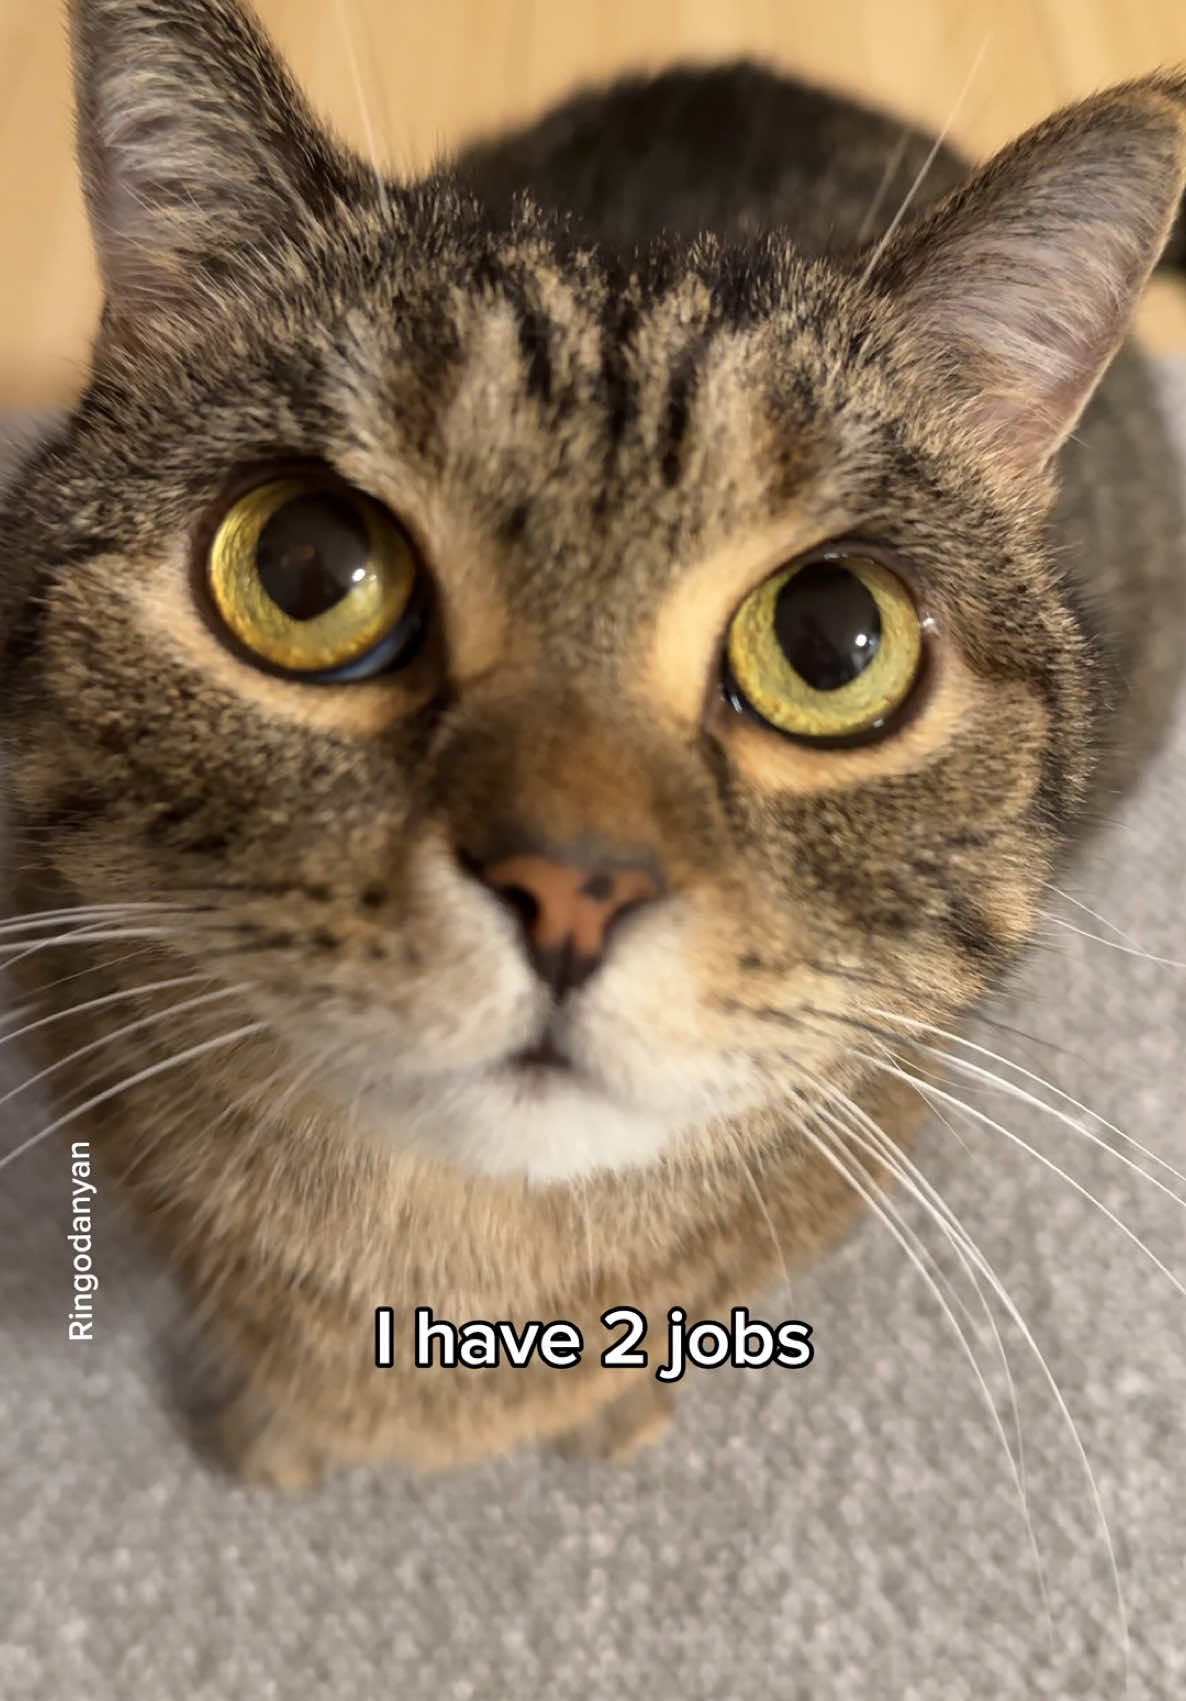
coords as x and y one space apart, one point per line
567 909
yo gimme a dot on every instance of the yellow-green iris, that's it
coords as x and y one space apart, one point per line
827 648
310 577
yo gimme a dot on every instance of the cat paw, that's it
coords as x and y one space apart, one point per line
635 1420
266 1450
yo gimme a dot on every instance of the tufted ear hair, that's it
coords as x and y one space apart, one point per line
196 150
1020 285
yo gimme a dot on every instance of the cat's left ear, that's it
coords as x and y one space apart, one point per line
1019 287
197 151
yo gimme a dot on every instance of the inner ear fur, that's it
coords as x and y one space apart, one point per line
1020 285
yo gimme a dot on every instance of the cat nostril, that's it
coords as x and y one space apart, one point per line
524 903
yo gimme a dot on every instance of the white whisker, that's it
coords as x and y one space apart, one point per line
583 1190
1114 944
89 913
153 1069
363 107
893 161
236 1104
107 963
879 1145
99 1003
1012 1090
1052 1382
82 936
926 164
1031 1099
120 1033
752 1182
928 1087
923 1261
1094 914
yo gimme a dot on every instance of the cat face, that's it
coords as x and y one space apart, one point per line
568 875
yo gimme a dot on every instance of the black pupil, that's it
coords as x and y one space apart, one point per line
828 625
311 553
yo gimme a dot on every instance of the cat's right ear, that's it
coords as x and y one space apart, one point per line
199 156
1019 286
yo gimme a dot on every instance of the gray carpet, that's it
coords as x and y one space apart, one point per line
850 1532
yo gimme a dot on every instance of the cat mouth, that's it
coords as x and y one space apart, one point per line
544 1057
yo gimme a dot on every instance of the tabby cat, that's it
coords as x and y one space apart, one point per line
521 687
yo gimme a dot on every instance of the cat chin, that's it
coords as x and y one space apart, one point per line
545 1125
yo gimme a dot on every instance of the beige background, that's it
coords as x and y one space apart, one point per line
418 76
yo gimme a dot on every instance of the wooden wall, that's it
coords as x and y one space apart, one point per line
420 74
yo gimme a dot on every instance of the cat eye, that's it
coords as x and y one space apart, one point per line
828 648
315 579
